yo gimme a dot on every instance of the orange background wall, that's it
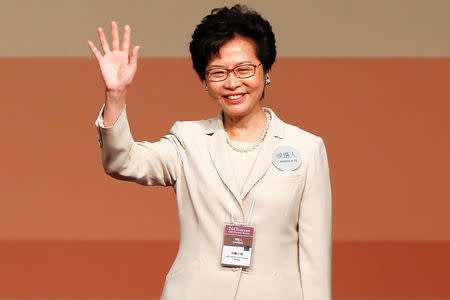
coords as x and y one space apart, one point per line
67 230
384 122
370 77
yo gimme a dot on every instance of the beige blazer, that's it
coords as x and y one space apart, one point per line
292 215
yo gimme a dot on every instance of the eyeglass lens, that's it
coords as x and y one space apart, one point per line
243 71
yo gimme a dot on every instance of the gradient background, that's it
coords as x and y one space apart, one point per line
370 77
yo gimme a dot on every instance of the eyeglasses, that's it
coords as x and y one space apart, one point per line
241 71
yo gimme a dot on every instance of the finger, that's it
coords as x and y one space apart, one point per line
115 36
126 39
134 56
103 41
95 51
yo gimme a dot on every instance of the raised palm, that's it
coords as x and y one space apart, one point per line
117 66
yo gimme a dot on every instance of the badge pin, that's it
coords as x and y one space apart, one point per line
286 158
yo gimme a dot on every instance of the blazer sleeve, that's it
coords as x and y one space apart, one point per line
315 227
146 163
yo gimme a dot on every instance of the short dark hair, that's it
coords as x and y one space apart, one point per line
221 26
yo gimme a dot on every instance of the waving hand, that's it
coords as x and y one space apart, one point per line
117 66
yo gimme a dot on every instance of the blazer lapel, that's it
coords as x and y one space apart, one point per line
264 159
220 156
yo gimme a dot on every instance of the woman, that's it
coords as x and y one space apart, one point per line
253 192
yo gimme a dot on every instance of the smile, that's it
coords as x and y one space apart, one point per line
234 98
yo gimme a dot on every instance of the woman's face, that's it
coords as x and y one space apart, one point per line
238 97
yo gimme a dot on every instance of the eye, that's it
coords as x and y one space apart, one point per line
244 70
217 72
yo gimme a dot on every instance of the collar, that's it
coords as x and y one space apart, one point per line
276 127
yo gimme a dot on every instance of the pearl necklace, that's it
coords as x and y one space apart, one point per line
239 148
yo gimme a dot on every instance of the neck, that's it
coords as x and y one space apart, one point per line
247 128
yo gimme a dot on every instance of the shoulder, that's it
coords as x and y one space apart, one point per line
294 133
308 143
193 132
196 127
182 128
304 141
300 135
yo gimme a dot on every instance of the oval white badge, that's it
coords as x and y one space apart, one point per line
286 158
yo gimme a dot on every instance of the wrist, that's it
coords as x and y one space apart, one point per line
114 105
116 95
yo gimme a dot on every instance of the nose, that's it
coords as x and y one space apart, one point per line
231 82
